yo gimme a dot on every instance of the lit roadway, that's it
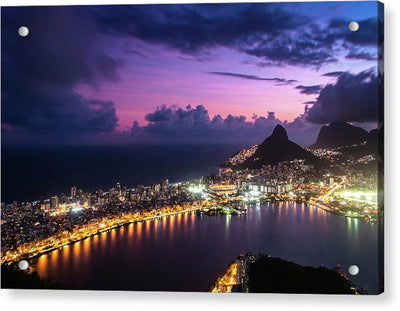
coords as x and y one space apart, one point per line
225 283
325 197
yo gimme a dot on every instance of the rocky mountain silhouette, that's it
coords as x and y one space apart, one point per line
278 148
339 134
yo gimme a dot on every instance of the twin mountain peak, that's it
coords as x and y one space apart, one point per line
278 148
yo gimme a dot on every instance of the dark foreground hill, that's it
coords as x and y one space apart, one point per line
275 275
278 148
339 135
13 277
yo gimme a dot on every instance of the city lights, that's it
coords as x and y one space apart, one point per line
99 211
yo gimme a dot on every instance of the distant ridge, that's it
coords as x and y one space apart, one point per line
278 148
339 134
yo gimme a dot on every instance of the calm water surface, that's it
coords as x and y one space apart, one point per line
186 252
45 171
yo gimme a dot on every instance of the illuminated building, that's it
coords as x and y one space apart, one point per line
118 187
241 270
164 185
63 199
155 188
74 192
124 191
92 199
223 189
54 202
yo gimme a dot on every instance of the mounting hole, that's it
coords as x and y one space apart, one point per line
354 269
23 31
354 26
23 265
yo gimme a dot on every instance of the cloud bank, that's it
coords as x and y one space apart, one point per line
38 91
273 35
352 98
194 125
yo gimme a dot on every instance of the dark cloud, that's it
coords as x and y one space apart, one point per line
174 124
361 55
169 120
161 114
333 74
134 52
353 98
280 81
41 71
191 28
367 35
274 35
309 90
291 52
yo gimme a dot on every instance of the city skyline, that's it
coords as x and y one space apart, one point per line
195 70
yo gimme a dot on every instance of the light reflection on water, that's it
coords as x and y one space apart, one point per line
187 252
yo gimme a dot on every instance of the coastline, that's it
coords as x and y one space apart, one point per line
13 256
22 253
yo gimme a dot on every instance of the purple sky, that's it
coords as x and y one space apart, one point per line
97 70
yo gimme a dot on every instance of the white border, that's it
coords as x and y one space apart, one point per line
91 300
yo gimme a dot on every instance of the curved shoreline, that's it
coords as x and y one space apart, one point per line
17 256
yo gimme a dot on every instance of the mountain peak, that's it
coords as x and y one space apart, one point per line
278 148
339 134
279 132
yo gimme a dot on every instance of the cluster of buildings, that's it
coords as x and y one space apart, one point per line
343 158
241 156
161 192
25 222
278 179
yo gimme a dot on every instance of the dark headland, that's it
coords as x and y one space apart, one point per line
339 134
275 275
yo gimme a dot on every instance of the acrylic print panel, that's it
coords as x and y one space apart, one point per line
193 147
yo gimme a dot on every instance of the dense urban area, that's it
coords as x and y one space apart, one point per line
346 186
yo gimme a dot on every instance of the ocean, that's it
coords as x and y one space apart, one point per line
29 173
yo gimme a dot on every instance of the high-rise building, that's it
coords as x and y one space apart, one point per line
74 192
63 199
92 200
118 188
155 188
164 185
124 191
54 202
